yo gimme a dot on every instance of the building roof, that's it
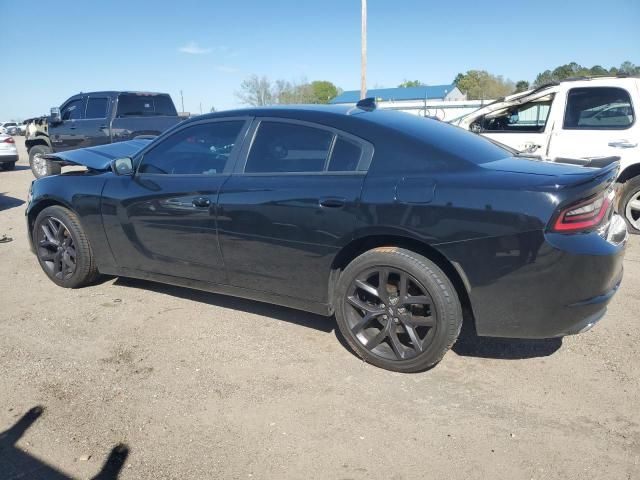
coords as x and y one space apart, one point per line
389 94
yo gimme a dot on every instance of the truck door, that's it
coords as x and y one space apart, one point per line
597 122
94 128
66 134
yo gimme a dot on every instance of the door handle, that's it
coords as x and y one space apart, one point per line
332 202
201 202
622 144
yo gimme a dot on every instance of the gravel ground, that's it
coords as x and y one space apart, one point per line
171 383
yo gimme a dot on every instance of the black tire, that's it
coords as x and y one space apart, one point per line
628 206
405 332
39 166
51 256
8 166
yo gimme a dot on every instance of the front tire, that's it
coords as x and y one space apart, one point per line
40 166
397 309
629 206
62 248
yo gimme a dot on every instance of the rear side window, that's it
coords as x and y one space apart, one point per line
288 148
135 105
72 110
97 107
345 156
598 108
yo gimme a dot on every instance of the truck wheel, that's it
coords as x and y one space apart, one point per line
41 167
630 204
8 166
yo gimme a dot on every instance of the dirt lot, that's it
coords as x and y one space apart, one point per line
196 385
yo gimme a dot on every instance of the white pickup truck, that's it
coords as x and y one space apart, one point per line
583 119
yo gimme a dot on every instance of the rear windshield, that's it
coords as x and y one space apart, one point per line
450 140
136 105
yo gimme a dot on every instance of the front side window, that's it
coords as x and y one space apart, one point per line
72 110
530 117
96 107
598 108
138 105
202 149
288 148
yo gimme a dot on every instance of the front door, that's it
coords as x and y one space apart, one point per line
162 220
94 128
286 212
66 134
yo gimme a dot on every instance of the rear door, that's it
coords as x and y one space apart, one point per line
290 206
162 220
94 127
597 122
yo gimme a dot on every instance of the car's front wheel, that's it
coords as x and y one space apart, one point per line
629 205
40 166
397 309
63 249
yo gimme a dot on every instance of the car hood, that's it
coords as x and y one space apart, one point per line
99 158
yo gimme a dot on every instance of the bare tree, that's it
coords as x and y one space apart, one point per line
256 91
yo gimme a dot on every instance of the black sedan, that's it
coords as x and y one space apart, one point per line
393 223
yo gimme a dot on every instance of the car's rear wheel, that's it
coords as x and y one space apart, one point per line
397 309
8 165
63 249
40 166
629 205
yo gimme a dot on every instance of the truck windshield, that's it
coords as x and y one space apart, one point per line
136 105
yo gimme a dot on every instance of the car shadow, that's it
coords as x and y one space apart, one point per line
7 202
19 168
298 317
16 463
469 344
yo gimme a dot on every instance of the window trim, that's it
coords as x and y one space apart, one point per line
228 168
364 162
566 105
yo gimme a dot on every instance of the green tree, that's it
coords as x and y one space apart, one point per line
323 91
410 83
629 68
522 86
598 70
481 85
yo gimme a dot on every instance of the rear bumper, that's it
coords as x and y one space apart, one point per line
538 285
8 157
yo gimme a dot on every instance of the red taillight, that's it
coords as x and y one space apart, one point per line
9 140
585 214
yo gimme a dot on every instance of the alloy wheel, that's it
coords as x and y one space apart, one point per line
40 164
56 248
632 210
390 313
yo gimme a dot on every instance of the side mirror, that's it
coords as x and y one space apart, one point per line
122 166
55 115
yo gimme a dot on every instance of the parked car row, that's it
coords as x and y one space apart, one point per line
12 128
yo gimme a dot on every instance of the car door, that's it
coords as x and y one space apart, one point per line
524 126
598 122
94 127
66 134
290 206
162 220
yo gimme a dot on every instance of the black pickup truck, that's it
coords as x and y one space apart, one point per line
96 118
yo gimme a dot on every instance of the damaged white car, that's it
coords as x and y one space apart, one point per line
579 121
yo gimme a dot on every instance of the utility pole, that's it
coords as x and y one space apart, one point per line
363 61
182 101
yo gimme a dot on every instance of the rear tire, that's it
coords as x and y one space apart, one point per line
42 167
397 309
629 206
8 166
63 249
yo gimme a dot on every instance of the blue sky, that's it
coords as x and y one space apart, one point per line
207 48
